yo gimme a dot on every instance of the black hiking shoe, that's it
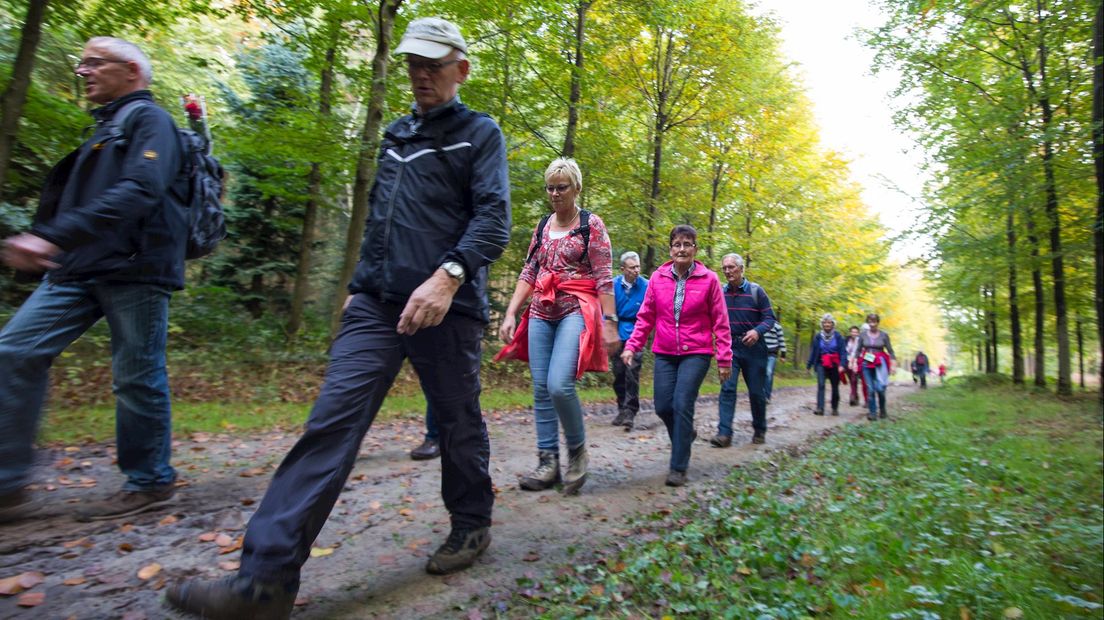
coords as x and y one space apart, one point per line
429 449
126 504
233 598
818 412
459 550
835 411
759 438
624 418
676 478
19 506
721 441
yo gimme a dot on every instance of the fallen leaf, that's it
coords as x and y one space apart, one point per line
31 599
532 556
20 582
169 520
224 540
743 570
73 581
234 546
81 542
148 571
208 536
1014 613
125 547
318 552
964 613
229 565
406 512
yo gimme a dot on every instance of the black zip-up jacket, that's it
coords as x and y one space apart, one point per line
113 204
442 192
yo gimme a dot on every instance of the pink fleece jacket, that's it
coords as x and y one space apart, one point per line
703 323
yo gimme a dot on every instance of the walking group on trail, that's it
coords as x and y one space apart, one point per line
111 236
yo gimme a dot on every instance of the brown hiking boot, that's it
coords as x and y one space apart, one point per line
545 475
624 417
721 441
429 449
576 475
126 504
233 598
459 551
759 438
676 478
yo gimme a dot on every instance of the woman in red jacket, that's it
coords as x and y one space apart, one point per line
567 326
685 306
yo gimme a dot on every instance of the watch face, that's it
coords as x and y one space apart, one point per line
454 270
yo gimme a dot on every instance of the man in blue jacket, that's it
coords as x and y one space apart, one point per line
628 294
110 232
440 215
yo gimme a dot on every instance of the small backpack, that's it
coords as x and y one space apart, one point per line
206 221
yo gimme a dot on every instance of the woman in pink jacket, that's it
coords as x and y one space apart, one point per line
685 306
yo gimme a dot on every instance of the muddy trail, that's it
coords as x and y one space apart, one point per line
368 561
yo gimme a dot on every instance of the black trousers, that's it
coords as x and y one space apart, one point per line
364 360
626 380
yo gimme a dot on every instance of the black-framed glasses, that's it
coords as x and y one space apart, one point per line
431 68
561 188
678 245
94 62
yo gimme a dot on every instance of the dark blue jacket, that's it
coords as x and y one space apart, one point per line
838 342
113 205
441 193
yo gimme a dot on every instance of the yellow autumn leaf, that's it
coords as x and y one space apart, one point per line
148 571
317 552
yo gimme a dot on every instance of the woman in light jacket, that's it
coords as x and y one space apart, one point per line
685 306
876 358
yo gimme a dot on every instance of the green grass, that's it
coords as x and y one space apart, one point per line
984 502
86 424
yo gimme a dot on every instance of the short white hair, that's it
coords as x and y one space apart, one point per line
734 256
125 50
630 254
567 167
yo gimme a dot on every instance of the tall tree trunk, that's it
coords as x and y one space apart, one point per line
1080 354
15 94
1014 305
994 337
1039 296
1065 386
314 200
986 329
714 194
576 79
1098 160
366 161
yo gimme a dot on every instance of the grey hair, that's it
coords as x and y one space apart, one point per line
736 257
630 254
125 50
567 167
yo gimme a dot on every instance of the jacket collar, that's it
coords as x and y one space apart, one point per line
105 112
668 270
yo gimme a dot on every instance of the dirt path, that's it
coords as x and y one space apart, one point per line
372 551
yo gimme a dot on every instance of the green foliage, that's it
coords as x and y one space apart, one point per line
973 505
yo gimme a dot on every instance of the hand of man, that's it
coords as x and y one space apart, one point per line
627 357
750 338
429 303
725 372
29 253
610 337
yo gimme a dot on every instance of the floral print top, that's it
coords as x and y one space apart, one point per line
564 257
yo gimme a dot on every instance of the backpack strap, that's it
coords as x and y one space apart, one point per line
583 230
118 123
538 234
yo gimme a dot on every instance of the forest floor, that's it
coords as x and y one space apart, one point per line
368 562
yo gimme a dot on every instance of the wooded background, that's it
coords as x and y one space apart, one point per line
678 111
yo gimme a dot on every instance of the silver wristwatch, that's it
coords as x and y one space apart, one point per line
454 269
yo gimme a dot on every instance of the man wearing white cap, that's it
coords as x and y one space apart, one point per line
440 215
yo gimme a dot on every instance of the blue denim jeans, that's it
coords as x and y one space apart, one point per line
675 388
553 361
875 391
768 387
752 362
431 433
49 321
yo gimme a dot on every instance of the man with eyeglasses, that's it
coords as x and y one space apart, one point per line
440 214
628 294
750 317
110 233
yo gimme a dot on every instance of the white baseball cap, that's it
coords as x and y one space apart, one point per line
431 37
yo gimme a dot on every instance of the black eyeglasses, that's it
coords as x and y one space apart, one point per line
94 63
680 245
430 67
561 188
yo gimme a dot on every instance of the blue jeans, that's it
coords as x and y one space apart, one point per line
553 362
768 387
675 388
49 321
752 362
431 433
876 391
